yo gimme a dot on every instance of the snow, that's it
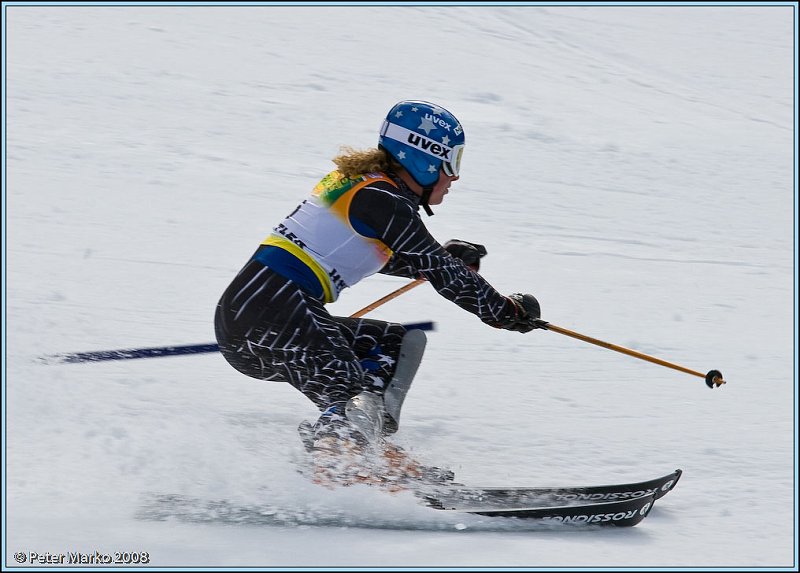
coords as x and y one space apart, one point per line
631 166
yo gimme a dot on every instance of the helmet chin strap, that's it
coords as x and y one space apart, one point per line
425 197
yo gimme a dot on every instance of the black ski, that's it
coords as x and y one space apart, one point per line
625 513
493 499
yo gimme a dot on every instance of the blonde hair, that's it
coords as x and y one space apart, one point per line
351 162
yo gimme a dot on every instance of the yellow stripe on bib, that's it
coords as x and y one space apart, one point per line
319 272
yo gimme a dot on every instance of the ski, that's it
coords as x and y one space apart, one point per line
164 506
626 513
458 497
620 505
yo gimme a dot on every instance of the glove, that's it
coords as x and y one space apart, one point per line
470 253
527 310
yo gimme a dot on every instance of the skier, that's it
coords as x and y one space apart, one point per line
363 218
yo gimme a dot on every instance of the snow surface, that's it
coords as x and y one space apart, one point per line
632 166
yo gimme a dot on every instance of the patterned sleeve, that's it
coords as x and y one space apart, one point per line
395 220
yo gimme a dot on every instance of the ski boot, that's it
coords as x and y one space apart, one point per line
337 447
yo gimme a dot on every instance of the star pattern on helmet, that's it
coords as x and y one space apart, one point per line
427 125
432 169
399 114
401 154
446 140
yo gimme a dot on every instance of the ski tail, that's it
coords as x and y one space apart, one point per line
411 352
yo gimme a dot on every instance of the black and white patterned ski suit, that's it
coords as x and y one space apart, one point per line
271 322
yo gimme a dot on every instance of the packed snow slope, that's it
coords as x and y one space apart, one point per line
631 166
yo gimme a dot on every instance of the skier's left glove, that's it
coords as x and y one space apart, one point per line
470 253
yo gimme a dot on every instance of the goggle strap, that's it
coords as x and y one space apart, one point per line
407 137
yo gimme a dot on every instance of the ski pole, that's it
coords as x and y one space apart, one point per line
161 351
157 352
713 378
394 294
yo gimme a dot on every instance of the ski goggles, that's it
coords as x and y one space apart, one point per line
452 168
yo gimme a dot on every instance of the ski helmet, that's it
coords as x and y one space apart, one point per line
423 137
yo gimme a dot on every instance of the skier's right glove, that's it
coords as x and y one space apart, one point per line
526 313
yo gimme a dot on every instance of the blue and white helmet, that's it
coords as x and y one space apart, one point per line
423 137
